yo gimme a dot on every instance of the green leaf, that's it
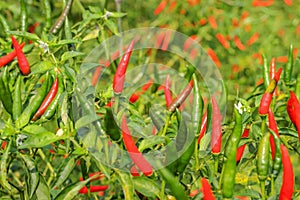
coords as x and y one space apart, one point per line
66 171
64 42
70 54
38 136
151 141
86 120
42 192
146 186
112 27
127 184
116 14
29 36
70 192
41 67
3 167
32 172
92 35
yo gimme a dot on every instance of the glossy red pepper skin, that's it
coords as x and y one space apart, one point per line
216 133
168 94
46 102
203 127
206 189
93 188
287 188
293 109
268 95
22 60
136 156
241 149
119 78
135 96
4 60
273 127
181 97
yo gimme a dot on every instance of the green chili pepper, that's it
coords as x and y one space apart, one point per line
59 22
289 67
23 16
196 120
33 104
111 127
176 188
17 101
5 94
263 158
33 173
4 24
297 90
229 169
50 111
3 167
266 72
276 167
47 8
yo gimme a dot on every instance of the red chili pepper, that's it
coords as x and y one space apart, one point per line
287 188
288 2
22 60
272 68
93 188
216 132
3 145
167 40
168 94
187 44
212 21
265 3
214 57
100 175
136 156
202 22
160 7
222 40
135 96
282 59
273 127
268 95
119 78
239 43
203 126
4 60
253 39
181 97
241 149
293 109
96 75
46 102
159 39
134 171
206 189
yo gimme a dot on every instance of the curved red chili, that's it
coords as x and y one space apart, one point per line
287 188
135 96
268 95
181 97
216 132
273 127
46 102
4 60
241 149
22 60
293 109
206 189
168 94
93 188
119 78
203 126
136 156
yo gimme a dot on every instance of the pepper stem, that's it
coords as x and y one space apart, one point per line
263 191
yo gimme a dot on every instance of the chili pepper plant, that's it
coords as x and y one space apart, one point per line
121 127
